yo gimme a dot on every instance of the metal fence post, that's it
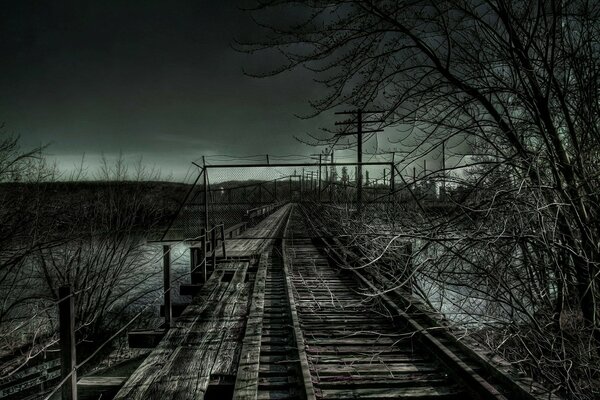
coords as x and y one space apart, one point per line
167 285
68 361
213 246
205 198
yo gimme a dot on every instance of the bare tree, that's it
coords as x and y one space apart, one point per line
515 82
90 235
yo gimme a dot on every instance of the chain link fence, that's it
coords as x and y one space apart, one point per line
236 194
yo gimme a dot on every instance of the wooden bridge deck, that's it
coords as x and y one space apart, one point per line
352 350
292 326
253 243
203 345
203 342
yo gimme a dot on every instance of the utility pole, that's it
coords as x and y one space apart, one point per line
318 186
333 172
302 186
333 168
359 114
443 170
319 177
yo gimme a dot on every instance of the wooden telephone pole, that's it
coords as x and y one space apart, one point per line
313 156
358 121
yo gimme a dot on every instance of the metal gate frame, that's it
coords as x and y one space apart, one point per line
204 172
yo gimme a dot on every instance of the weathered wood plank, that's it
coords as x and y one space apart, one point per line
246 383
427 392
247 247
299 338
181 365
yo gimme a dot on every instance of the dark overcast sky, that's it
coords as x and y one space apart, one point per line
151 78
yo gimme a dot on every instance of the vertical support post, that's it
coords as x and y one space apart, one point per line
275 189
205 198
290 188
68 361
204 255
319 177
325 174
443 196
194 263
223 240
392 178
359 137
302 186
167 285
333 172
213 247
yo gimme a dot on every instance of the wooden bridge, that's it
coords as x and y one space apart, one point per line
280 315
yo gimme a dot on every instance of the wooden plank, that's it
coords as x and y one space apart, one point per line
182 362
427 392
29 381
246 383
298 336
248 246
235 313
99 387
36 369
353 351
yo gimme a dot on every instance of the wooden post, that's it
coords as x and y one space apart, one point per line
167 285
333 172
194 263
319 177
204 255
392 178
359 143
302 186
223 240
443 196
68 361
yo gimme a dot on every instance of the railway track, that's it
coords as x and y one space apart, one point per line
280 372
352 350
323 338
299 324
